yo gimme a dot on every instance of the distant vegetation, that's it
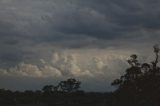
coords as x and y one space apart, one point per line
71 85
139 86
65 95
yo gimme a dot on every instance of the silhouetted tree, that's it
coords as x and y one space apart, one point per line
70 85
140 85
48 88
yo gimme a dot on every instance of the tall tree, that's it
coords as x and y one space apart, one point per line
140 85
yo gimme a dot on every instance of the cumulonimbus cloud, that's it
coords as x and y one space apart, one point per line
96 68
71 63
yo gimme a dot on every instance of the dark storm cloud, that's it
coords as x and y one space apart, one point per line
26 25
8 56
73 24
34 29
108 19
68 20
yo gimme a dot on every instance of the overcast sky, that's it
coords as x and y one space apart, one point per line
46 41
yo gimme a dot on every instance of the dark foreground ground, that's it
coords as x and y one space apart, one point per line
38 98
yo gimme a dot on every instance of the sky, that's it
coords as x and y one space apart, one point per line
45 41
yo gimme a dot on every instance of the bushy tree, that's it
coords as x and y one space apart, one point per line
140 85
70 85
48 88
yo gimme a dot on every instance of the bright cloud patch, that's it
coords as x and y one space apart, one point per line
29 70
72 63
96 68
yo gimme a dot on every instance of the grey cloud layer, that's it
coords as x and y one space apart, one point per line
99 67
34 29
53 19
75 24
